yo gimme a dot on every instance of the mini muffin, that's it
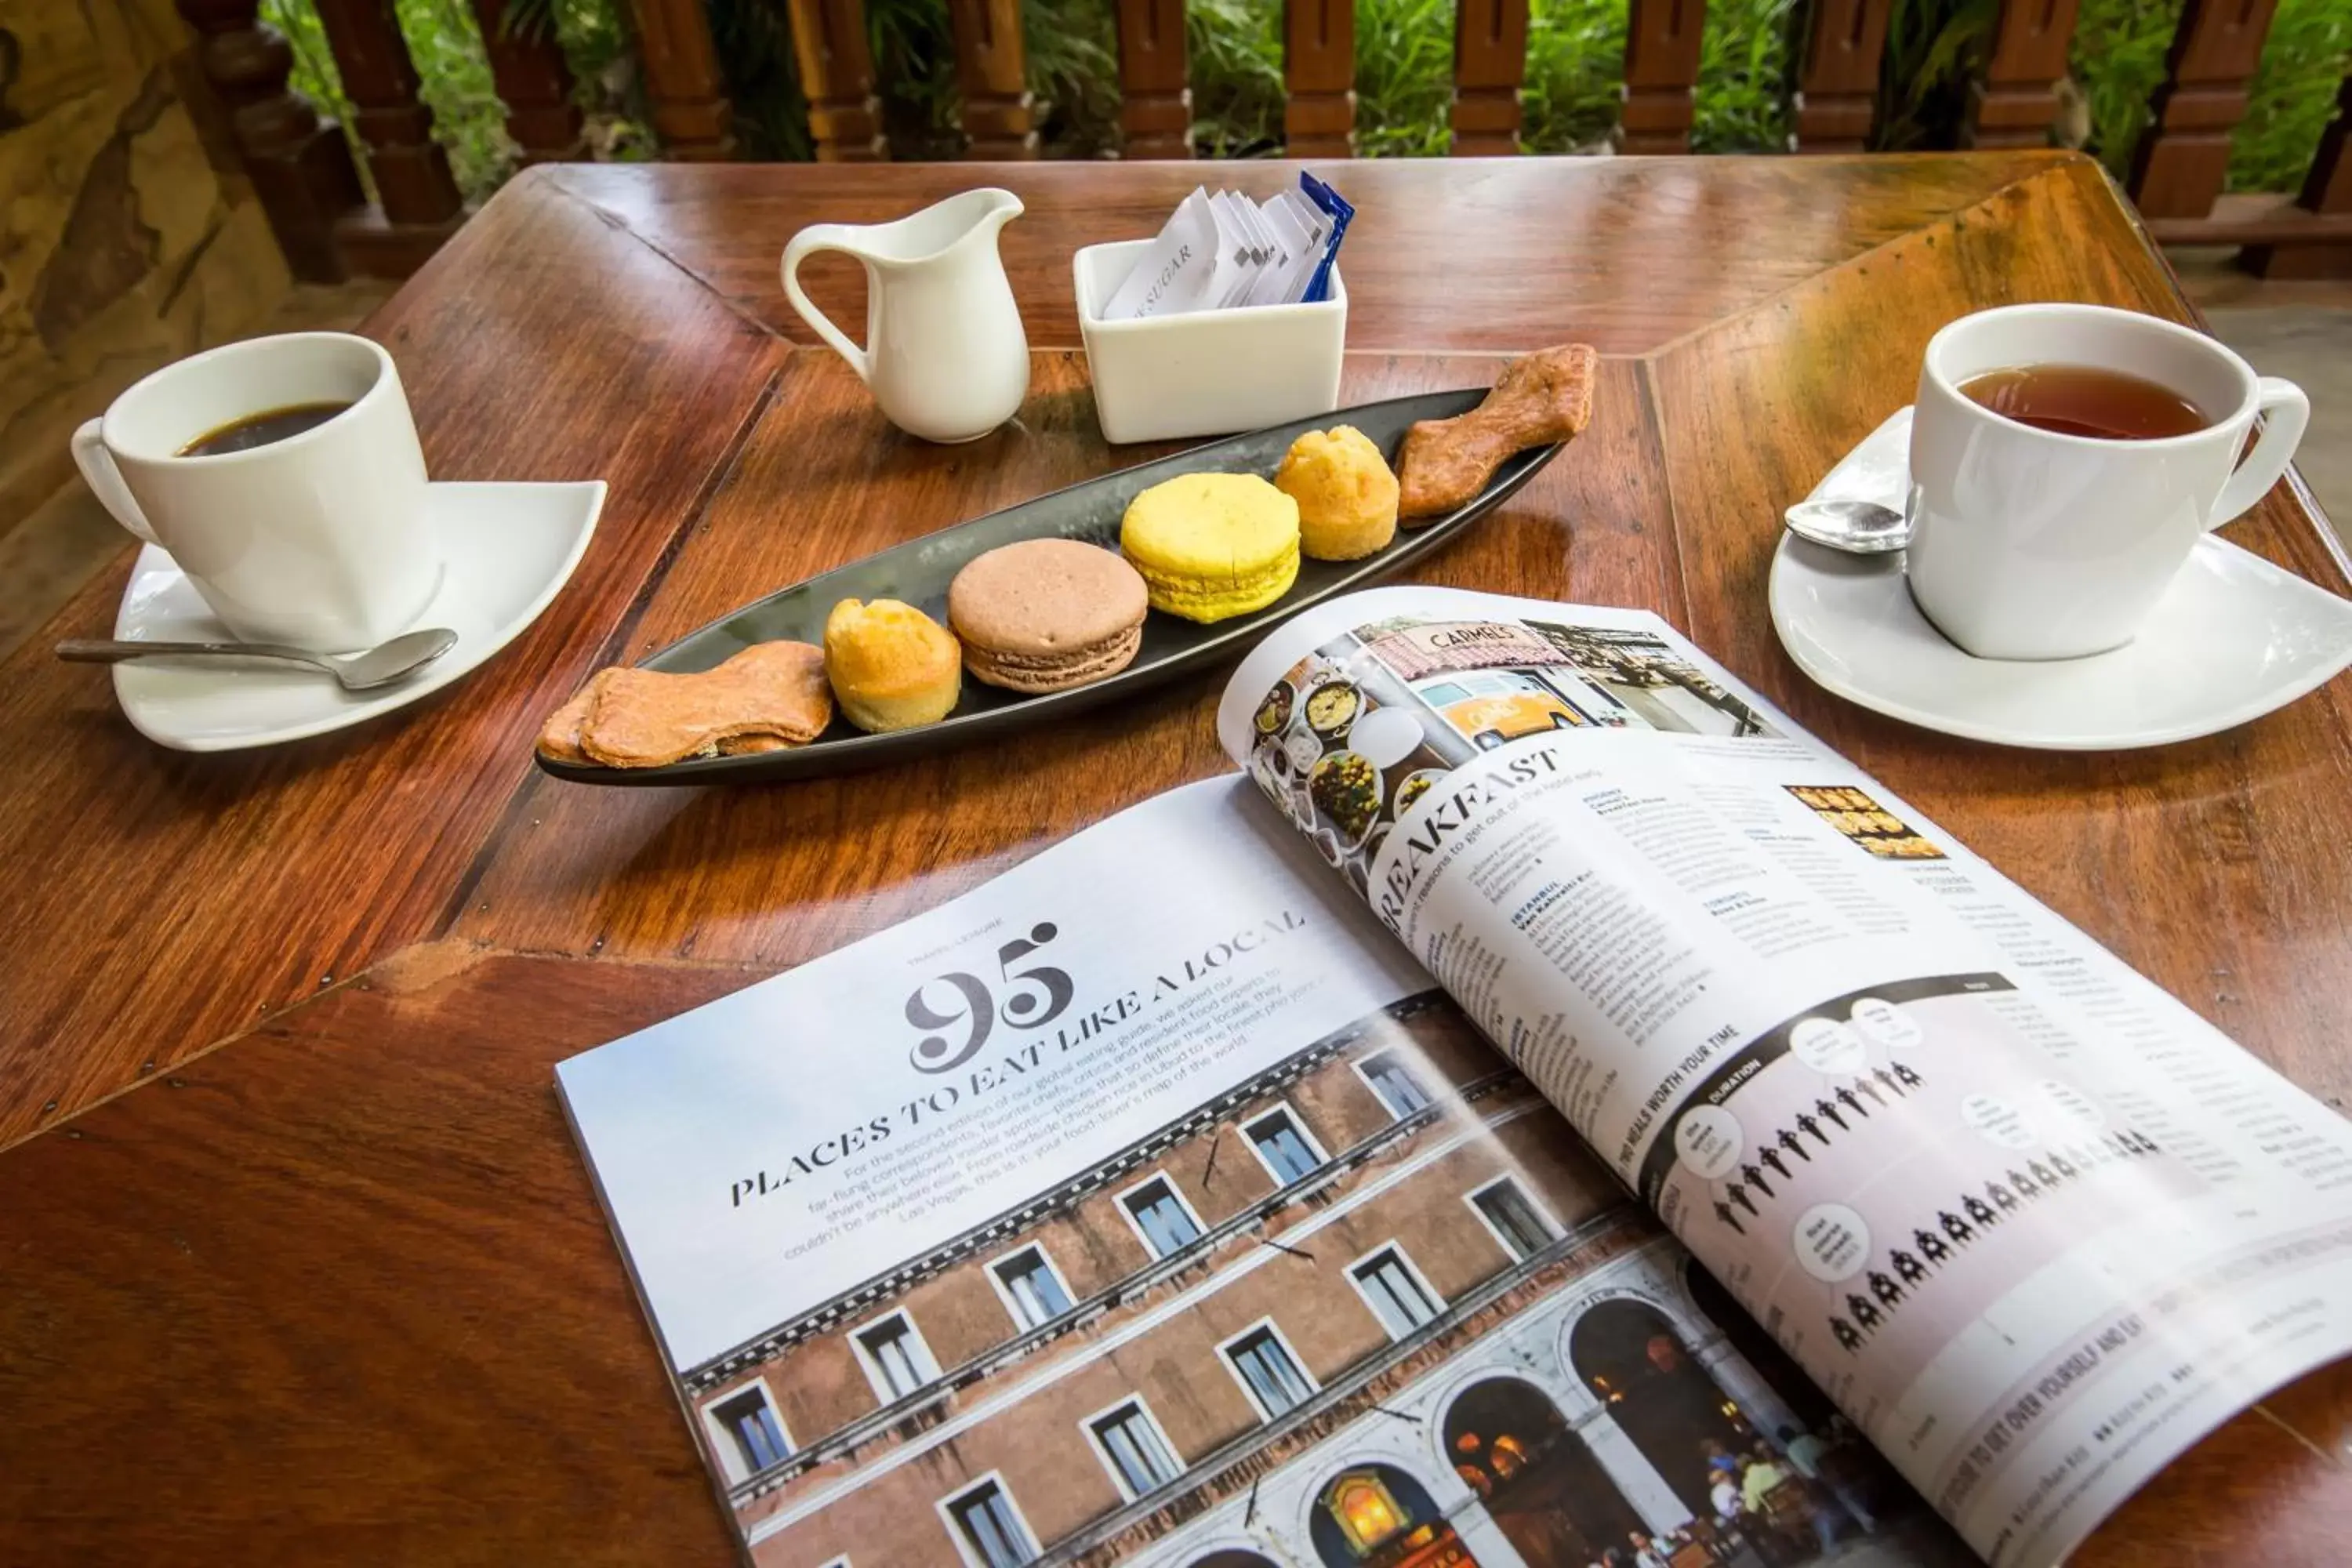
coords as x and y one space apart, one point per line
892 667
1046 614
1347 497
1212 546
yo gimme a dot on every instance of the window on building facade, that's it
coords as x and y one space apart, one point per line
1138 1456
1270 1371
750 1423
1031 1286
1523 1229
1396 1295
895 1356
1166 1224
1282 1143
991 1532
1395 1084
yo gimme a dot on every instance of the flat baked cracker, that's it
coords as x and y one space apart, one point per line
768 696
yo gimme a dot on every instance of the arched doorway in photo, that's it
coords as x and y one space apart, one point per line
1547 1494
1376 1515
1800 1394
1674 1412
1232 1557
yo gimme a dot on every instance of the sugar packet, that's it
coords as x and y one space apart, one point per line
1219 250
1340 215
1179 270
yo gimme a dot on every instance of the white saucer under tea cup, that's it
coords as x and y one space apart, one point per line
509 547
2233 638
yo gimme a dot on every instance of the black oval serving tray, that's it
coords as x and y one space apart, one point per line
918 573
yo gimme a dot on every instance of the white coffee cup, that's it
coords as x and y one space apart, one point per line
319 540
2031 544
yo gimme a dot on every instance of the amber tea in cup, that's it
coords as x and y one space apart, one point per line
2029 541
2086 400
271 424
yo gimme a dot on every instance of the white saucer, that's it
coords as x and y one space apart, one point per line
508 548
2233 638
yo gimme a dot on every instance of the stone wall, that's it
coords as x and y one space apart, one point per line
123 244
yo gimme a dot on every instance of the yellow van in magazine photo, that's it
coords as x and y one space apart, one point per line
1489 707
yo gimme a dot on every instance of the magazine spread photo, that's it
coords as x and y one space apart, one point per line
1549 1110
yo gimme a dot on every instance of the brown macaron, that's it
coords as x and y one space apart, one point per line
1046 614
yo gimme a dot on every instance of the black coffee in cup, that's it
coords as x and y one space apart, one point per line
248 431
2086 400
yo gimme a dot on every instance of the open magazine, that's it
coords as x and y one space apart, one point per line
1551 1111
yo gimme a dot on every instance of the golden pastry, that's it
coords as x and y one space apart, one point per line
1347 497
892 667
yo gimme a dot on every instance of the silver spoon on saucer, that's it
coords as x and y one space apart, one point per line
401 658
1856 527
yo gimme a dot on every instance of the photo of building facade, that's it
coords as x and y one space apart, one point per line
1376 1305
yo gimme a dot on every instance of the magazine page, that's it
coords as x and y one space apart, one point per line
1150 1205
2036 1227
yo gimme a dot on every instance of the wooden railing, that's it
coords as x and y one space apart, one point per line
302 170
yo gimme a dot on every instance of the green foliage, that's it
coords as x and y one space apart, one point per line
2118 57
1934 49
914 63
753 41
1744 68
1405 59
1073 76
2303 59
1404 78
1576 62
2118 60
1073 72
447 45
1236 47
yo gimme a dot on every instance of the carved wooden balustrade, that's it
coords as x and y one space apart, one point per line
303 171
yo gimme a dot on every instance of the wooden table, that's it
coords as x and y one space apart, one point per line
296 1259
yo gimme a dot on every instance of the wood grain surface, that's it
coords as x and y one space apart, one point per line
1622 253
158 902
340 1291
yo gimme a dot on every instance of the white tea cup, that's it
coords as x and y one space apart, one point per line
2032 544
319 539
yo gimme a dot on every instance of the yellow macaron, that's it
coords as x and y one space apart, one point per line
1212 546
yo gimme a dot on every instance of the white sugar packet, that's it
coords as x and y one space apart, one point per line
1316 225
1293 249
1220 251
1239 257
1178 272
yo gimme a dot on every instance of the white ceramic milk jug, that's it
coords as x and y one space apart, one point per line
945 355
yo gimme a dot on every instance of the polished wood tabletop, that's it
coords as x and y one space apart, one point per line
298 1261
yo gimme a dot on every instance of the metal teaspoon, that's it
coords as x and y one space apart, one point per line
1856 527
381 666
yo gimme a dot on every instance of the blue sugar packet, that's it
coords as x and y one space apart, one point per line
1335 207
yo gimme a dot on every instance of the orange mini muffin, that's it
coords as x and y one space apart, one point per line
1347 497
892 667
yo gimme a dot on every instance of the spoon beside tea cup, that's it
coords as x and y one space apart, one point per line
383 665
1856 527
